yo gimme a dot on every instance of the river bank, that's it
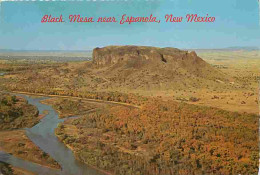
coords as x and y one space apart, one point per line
76 97
70 146
43 135
16 142
8 169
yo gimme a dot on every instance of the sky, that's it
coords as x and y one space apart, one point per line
236 24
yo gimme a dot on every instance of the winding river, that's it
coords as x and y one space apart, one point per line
43 136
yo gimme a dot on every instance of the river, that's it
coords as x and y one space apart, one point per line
44 137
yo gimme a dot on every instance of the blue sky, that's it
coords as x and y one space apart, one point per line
237 24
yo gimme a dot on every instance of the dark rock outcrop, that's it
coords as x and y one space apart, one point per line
117 54
162 60
143 67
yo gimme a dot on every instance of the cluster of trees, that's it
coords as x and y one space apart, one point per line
106 96
167 138
6 169
70 107
67 107
16 112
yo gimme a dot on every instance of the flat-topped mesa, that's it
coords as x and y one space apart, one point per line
170 63
114 54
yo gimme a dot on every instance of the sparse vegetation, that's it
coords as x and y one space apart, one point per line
194 99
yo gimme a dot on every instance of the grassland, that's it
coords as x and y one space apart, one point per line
244 68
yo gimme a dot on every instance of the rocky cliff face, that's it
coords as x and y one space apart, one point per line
117 54
141 67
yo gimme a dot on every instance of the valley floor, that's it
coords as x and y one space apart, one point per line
210 127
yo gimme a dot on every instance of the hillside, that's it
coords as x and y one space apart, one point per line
126 68
153 68
225 82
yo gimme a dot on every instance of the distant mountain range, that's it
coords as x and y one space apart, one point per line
237 48
14 50
243 48
234 48
6 53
